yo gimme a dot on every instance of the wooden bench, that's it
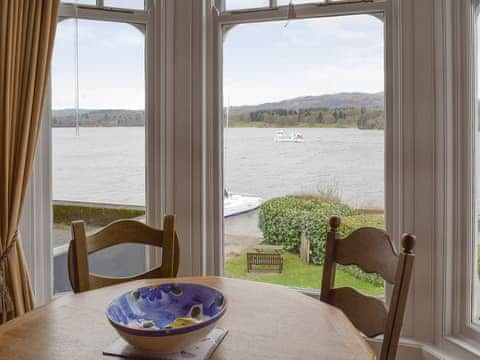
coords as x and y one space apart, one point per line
265 255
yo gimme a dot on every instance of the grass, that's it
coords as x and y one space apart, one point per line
297 273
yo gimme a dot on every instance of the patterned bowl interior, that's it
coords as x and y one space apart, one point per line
170 308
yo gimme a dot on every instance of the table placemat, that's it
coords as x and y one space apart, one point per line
200 351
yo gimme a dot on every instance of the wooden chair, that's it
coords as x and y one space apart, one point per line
373 252
120 232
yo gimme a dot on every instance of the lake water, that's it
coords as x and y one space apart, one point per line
107 164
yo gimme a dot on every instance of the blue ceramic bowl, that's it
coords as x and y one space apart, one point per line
168 317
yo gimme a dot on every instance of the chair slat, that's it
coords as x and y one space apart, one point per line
123 232
367 313
371 250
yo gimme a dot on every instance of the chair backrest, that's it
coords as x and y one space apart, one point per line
120 232
373 252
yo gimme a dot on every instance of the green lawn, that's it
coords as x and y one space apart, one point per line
297 273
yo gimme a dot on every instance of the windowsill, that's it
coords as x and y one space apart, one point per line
464 344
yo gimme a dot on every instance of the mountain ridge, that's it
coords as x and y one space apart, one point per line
321 110
328 101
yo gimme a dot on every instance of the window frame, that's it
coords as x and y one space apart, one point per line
273 4
457 227
36 221
459 328
393 182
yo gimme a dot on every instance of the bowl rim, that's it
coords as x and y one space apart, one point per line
168 332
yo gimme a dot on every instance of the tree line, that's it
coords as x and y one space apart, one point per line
362 118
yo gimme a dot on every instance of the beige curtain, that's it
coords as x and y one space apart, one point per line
27 31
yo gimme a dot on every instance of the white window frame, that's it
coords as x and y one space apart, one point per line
37 215
458 333
393 180
456 231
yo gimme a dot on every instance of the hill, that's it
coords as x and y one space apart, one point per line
329 101
93 118
361 110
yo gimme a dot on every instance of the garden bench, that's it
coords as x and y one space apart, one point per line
265 255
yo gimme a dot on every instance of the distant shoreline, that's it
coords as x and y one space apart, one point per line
241 126
265 125
342 110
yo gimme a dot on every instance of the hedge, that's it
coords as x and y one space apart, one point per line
93 214
348 225
282 220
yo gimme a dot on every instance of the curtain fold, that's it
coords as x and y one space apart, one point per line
27 31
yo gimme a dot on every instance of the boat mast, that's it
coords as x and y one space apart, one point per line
77 90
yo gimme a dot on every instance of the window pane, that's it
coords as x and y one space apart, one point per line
303 140
286 2
245 4
98 138
82 2
125 4
121 4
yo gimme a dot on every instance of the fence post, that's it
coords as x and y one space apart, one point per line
304 248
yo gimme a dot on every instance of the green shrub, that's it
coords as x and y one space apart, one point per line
352 223
282 220
348 225
93 214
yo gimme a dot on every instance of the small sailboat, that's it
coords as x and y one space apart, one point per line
283 136
234 204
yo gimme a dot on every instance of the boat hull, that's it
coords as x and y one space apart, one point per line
237 204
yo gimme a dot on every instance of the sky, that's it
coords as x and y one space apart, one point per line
111 58
263 62
269 62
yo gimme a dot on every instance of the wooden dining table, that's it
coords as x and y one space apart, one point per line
264 321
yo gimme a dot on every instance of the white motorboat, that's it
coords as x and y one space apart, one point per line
234 204
284 136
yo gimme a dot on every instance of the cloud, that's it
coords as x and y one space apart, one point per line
111 65
262 61
267 62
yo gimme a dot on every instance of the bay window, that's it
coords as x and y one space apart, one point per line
409 149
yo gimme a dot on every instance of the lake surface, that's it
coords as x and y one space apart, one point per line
107 164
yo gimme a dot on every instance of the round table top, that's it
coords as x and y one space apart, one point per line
263 321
